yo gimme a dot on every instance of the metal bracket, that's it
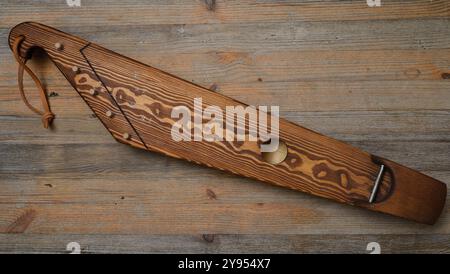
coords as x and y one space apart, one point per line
377 184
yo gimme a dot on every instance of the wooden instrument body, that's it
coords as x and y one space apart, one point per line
141 98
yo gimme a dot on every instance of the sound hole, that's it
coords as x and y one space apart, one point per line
277 156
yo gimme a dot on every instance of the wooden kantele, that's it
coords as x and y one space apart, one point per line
134 103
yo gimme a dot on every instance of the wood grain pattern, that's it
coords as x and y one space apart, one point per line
159 94
180 12
143 98
226 243
400 112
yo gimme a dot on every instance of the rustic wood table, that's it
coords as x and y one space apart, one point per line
377 78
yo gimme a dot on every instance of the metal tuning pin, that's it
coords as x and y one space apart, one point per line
93 91
305 160
58 46
75 69
109 114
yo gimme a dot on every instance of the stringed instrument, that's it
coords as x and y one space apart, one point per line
134 102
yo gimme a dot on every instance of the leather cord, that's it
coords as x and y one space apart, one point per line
47 115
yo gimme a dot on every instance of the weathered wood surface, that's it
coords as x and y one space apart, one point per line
374 77
140 98
239 243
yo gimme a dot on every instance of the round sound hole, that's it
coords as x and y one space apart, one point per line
277 156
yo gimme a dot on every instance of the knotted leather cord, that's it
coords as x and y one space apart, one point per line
47 115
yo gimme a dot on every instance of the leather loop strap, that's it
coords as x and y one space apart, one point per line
314 163
47 115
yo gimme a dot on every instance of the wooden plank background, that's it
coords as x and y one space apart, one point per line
378 78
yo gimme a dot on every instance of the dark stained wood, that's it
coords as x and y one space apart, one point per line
142 97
